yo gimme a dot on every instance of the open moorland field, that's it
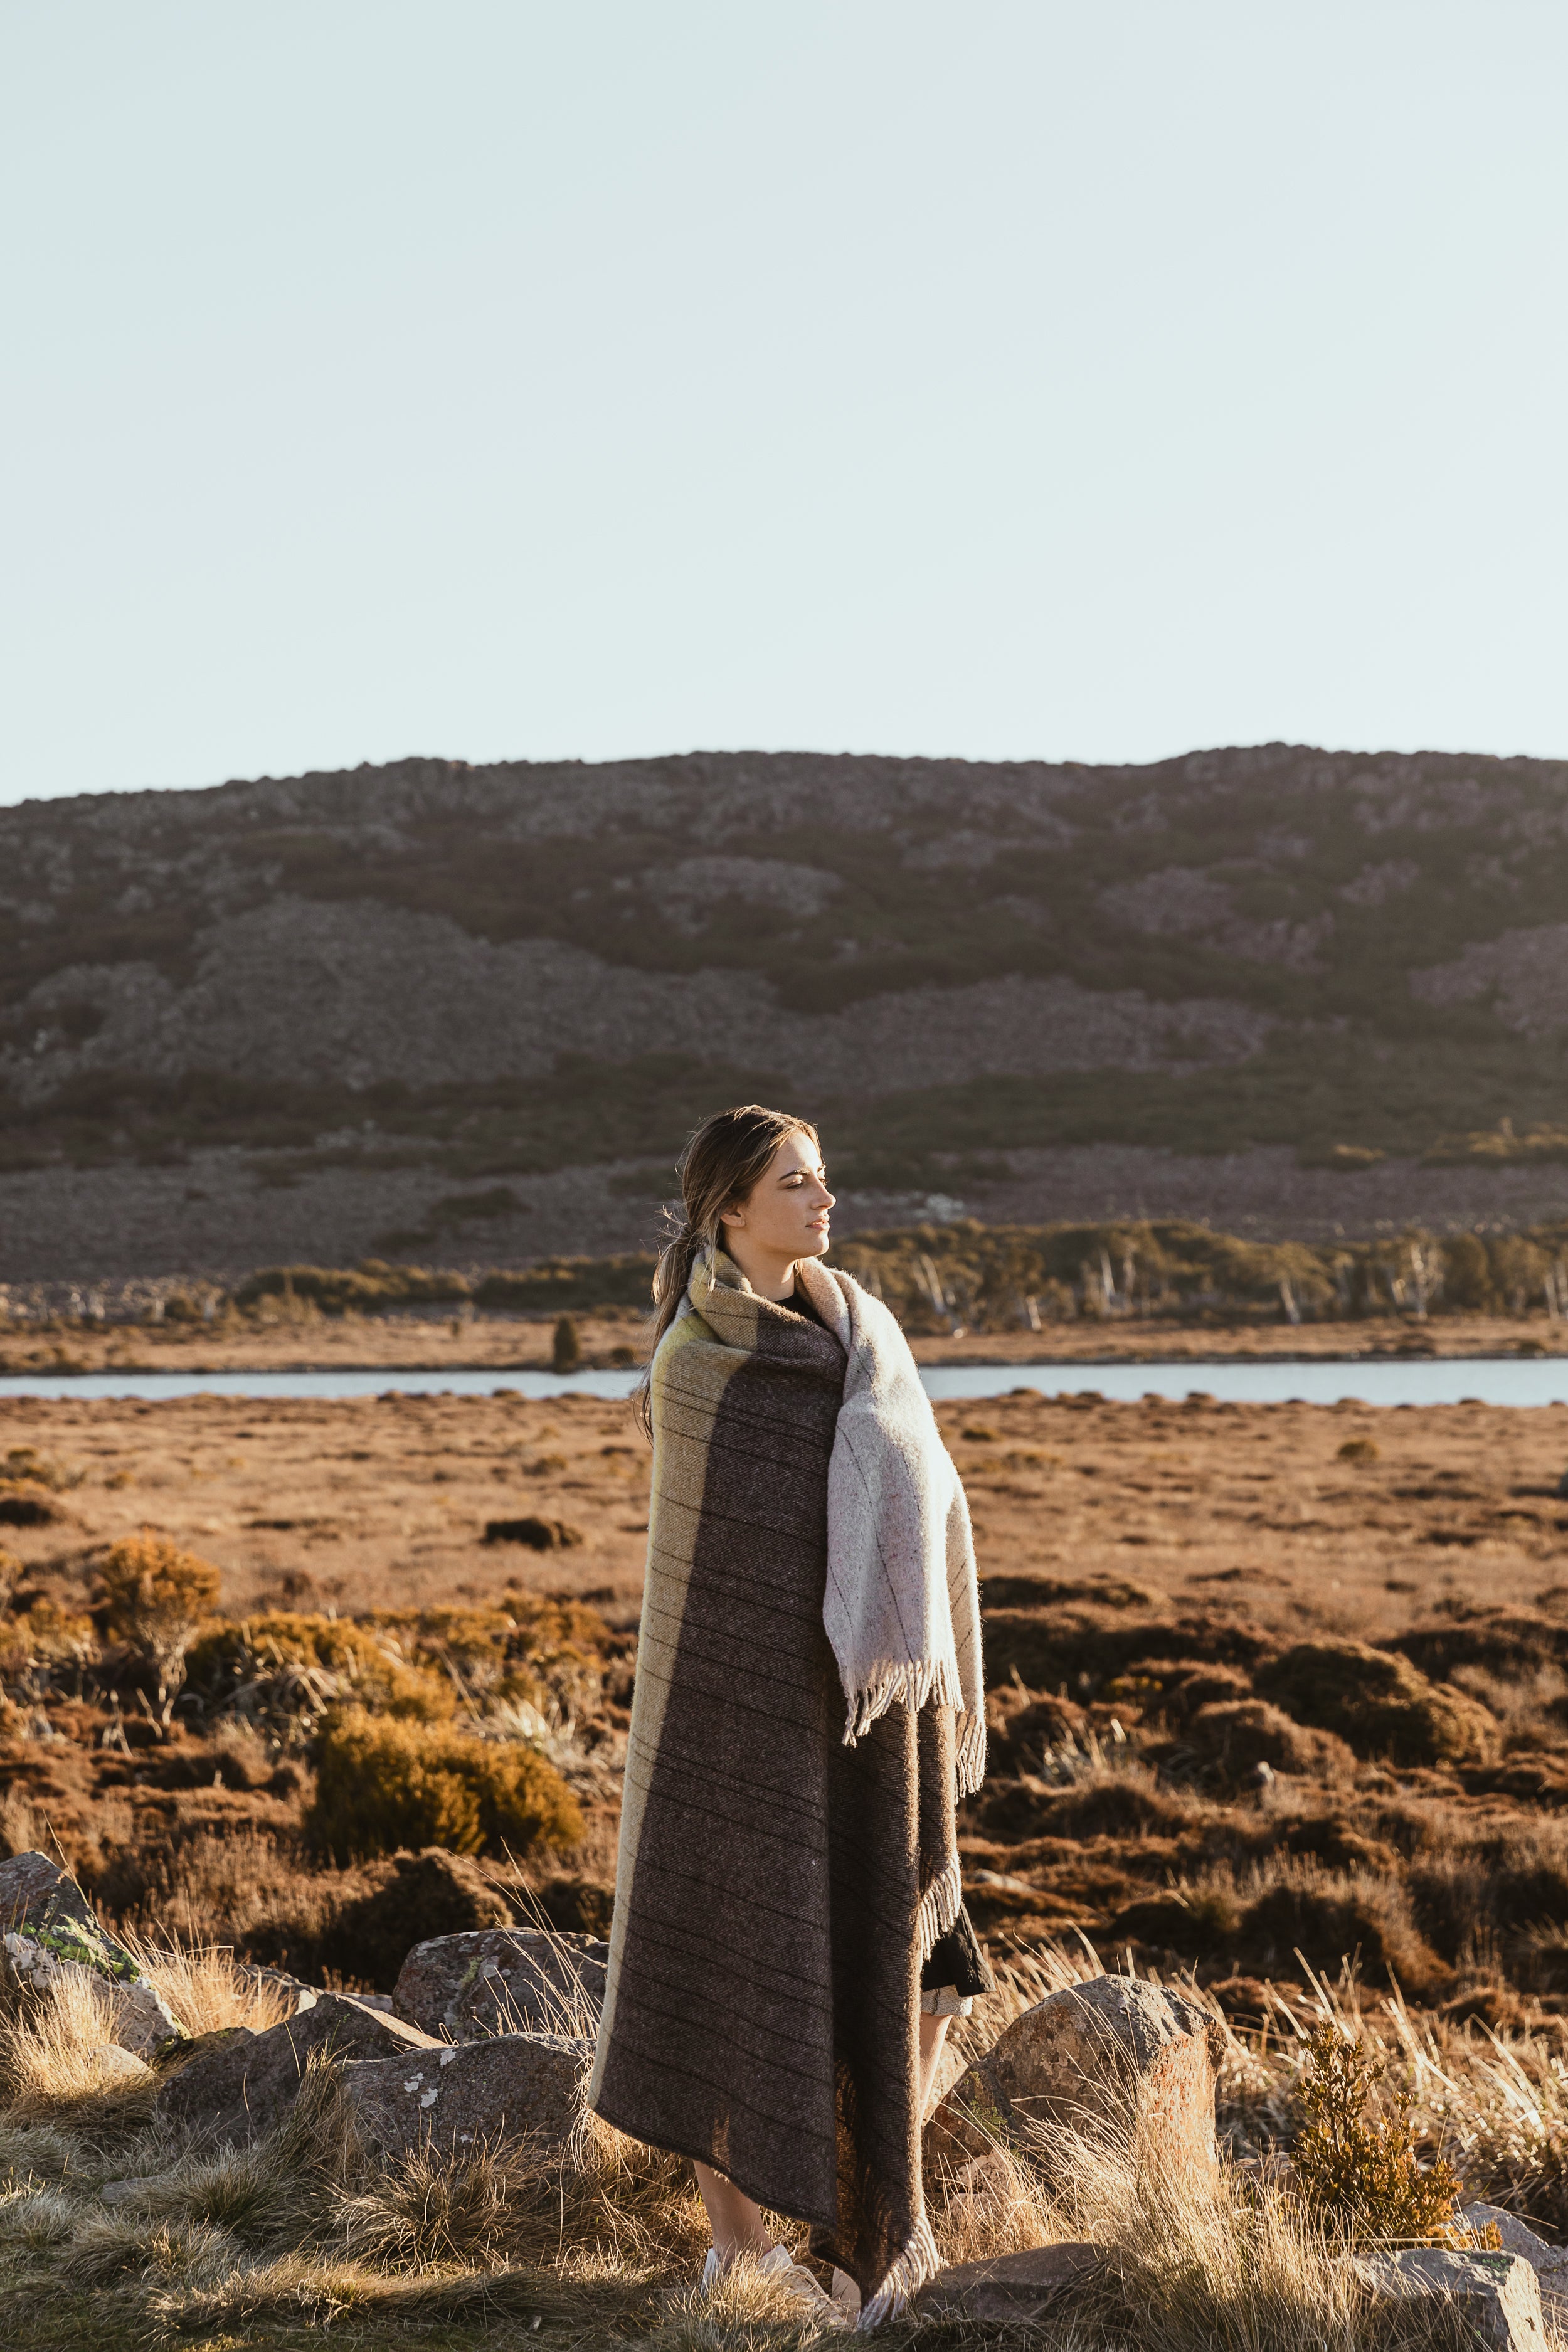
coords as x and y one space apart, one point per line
1164 1587
1272 1690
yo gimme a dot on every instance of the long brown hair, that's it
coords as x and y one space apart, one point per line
727 1156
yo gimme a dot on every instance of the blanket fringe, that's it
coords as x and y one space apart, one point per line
918 2263
970 1759
939 1908
915 1685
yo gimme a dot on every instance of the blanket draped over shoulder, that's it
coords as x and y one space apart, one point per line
781 1878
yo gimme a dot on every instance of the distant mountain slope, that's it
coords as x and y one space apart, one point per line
530 966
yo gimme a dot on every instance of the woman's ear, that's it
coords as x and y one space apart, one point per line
731 1216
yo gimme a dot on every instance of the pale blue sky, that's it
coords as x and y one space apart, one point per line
505 379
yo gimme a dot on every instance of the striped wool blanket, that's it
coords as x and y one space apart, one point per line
779 1881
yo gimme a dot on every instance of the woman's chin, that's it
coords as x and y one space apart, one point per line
818 1246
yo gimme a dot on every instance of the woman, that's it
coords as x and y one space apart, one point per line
789 1937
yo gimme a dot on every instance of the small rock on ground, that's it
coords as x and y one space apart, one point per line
51 1935
1496 2297
1008 2288
237 2087
457 2095
503 1980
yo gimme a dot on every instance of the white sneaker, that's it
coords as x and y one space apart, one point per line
779 2263
846 2295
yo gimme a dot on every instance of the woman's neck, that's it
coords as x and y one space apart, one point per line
767 1277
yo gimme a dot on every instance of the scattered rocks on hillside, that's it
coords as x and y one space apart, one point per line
502 1981
50 1934
1494 2298
239 2083
1009 2288
452 2096
1106 2053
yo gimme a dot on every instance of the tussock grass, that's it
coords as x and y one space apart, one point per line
1210 2262
207 1987
107 2248
33 2217
59 2060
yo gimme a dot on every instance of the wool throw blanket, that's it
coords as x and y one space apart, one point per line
902 1604
774 1882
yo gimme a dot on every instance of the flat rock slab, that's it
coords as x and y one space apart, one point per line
496 1980
50 1935
1495 2297
239 2084
508 2086
1009 2287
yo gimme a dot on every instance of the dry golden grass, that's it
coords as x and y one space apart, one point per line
58 2058
207 1987
602 2239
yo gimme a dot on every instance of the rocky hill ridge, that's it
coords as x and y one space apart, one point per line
538 965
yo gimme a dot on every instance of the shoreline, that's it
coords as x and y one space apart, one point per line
314 1345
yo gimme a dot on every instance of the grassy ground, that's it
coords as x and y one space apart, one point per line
1371 1605
115 2230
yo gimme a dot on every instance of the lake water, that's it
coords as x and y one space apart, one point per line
1530 1382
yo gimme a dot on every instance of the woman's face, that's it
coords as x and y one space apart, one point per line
785 1214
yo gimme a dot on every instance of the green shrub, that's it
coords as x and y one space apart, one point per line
382 1784
1360 1449
1357 2172
287 1665
153 1596
1378 1702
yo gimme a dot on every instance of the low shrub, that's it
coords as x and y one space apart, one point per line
1118 1799
1240 1733
1378 1703
1193 1923
385 1783
540 1535
1331 1841
1177 1689
1357 2172
153 1595
26 1463
1329 1917
565 1348
283 1670
47 1635
26 1504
